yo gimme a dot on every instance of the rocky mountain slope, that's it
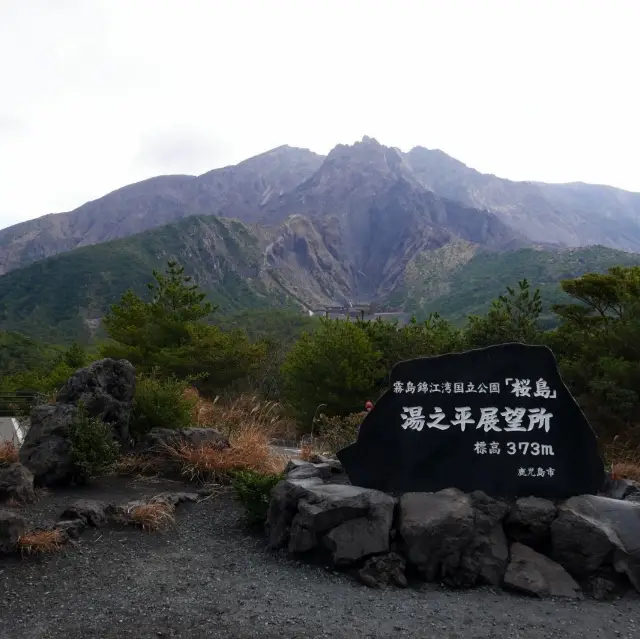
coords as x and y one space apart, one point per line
234 191
572 214
63 298
353 182
365 223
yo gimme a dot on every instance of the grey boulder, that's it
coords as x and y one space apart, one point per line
351 522
485 559
529 522
323 471
92 512
436 529
16 482
534 574
593 532
12 525
46 449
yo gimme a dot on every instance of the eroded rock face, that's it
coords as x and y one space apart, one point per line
106 388
534 574
16 482
46 450
591 532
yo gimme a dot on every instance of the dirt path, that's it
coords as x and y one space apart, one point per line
208 578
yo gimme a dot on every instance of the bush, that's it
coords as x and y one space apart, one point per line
338 432
336 366
254 491
95 452
160 403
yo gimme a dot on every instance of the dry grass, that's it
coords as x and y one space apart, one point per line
624 460
306 450
8 453
153 516
40 542
138 465
249 450
231 415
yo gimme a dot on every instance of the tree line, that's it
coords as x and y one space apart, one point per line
175 339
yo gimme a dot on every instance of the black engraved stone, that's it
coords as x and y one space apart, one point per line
401 449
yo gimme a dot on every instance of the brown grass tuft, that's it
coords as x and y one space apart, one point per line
8 453
624 460
231 415
250 450
138 465
306 450
626 470
40 542
153 516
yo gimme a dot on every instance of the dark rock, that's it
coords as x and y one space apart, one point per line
158 439
529 522
435 529
357 538
310 470
173 499
351 522
93 512
16 482
46 449
534 574
485 559
71 528
383 570
334 464
12 525
619 488
601 588
283 507
292 464
593 531
106 388
354 521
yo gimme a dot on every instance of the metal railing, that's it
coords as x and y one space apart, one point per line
19 403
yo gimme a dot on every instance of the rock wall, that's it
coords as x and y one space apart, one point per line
588 544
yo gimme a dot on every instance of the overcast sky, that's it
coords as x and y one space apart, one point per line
97 94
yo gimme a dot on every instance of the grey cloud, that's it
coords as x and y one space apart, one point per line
178 151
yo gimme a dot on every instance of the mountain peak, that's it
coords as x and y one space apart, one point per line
370 141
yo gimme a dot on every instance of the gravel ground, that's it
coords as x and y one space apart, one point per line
208 577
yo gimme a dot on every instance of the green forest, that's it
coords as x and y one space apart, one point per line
177 338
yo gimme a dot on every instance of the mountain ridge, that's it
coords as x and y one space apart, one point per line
572 214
